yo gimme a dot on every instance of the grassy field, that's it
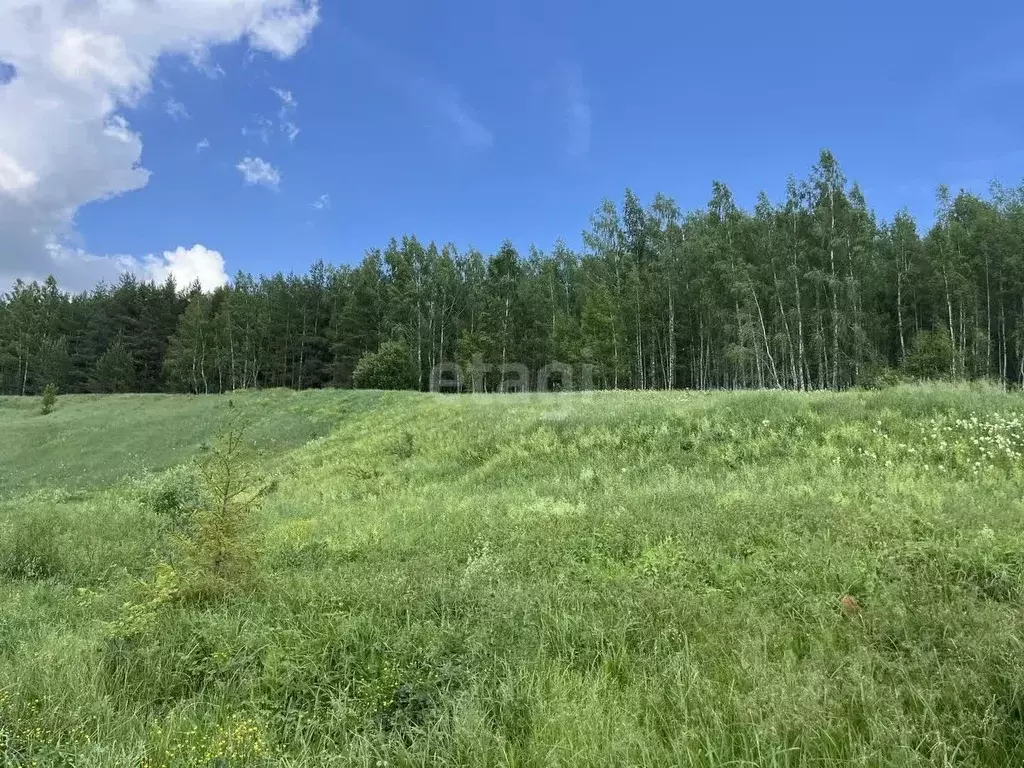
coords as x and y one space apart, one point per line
615 579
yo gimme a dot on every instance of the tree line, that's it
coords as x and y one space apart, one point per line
813 292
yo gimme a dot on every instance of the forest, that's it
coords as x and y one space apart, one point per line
812 292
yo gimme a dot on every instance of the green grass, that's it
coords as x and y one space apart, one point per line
592 579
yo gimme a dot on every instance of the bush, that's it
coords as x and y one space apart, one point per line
878 376
49 399
390 367
176 497
930 356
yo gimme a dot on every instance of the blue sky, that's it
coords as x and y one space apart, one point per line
474 122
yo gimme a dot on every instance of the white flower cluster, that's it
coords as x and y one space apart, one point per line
974 444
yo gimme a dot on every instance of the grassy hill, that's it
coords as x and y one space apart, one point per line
598 578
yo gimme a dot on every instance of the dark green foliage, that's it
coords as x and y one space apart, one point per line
389 367
807 292
931 356
879 376
115 370
176 498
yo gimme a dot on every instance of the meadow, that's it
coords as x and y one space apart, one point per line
606 578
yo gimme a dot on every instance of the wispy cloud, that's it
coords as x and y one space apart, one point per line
442 99
322 203
285 115
200 58
287 98
261 127
176 110
448 104
203 144
258 172
577 114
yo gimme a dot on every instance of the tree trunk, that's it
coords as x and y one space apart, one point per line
767 346
952 332
671 341
899 314
835 295
988 316
804 379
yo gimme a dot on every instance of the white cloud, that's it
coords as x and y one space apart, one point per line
200 59
71 67
187 266
322 203
176 110
15 180
203 144
257 171
287 99
284 27
284 115
79 270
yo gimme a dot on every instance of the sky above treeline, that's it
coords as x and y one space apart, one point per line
202 137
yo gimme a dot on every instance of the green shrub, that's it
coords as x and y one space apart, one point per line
390 367
930 356
879 376
176 496
49 399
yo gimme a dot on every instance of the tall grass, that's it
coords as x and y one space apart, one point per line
592 579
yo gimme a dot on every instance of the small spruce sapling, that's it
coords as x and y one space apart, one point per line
223 541
49 399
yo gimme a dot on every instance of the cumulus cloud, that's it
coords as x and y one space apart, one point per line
283 27
187 266
69 67
79 270
202 144
257 171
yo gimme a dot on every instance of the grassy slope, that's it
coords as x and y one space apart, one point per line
614 578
